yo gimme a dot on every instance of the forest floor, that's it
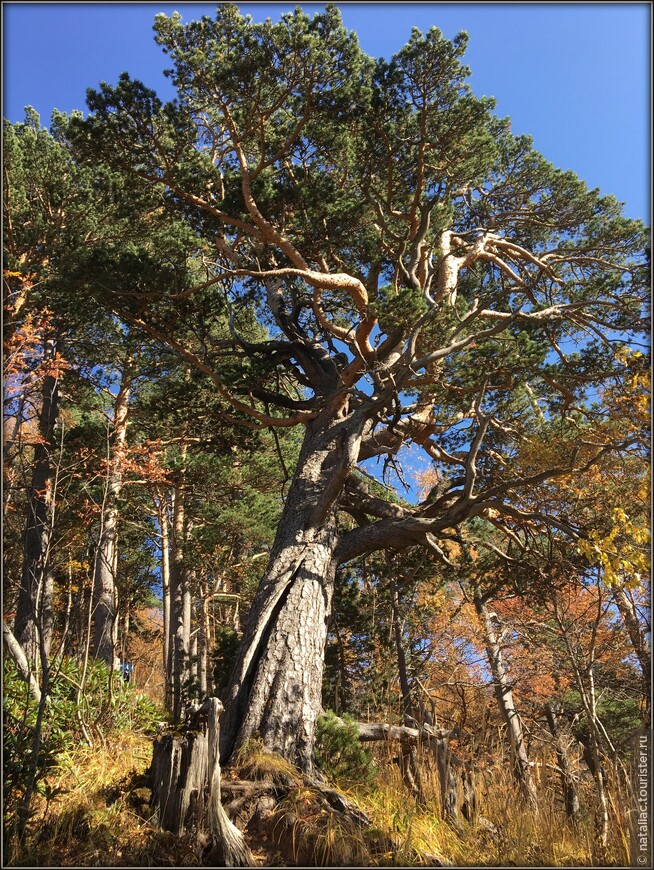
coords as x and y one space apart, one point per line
102 818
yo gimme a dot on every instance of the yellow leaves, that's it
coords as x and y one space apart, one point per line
622 553
76 565
632 402
625 354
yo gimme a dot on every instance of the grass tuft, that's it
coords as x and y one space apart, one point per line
255 762
101 817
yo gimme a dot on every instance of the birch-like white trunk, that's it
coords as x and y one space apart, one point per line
504 696
180 600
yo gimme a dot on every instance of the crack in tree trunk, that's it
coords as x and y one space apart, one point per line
275 689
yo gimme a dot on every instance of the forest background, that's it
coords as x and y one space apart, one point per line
139 513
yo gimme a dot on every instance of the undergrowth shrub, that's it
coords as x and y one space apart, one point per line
226 646
63 723
339 753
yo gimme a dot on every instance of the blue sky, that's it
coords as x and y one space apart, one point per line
575 76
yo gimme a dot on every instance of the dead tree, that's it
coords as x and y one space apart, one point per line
185 783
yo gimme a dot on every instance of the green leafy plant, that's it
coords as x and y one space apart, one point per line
63 723
339 752
226 647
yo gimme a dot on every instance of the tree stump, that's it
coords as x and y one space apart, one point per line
185 784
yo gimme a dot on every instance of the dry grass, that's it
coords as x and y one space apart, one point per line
308 833
545 837
255 762
524 837
102 817
406 833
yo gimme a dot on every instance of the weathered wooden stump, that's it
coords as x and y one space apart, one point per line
185 784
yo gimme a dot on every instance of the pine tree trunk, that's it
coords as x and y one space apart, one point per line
275 688
504 696
33 623
180 610
106 555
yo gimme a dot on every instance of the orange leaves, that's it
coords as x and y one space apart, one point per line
16 291
23 343
25 360
146 462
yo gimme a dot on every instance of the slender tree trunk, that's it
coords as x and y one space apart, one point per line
203 642
179 600
596 737
193 662
162 508
124 633
504 696
593 758
17 655
405 688
275 687
637 636
570 796
34 608
187 614
409 762
106 555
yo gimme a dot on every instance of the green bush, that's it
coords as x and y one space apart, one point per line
339 753
61 726
225 649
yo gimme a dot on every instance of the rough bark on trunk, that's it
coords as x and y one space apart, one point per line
33 623
275 687
504 696
185 784
178 777
106 555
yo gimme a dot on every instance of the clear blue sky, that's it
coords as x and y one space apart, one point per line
575 76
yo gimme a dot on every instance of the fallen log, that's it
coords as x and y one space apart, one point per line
437 740
370 731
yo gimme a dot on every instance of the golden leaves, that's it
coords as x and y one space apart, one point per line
622 553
